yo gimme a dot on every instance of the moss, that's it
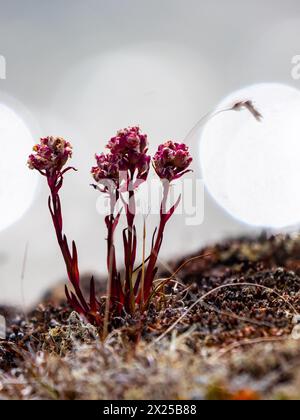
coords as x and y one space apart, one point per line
241 343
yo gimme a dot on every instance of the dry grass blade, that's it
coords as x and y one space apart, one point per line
249 105
163 282
248 342
238 106
214 291
240 318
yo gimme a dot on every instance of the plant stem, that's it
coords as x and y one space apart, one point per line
130 249
111 267
157 245
143 264
55 183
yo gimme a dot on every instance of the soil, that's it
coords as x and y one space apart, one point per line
226 327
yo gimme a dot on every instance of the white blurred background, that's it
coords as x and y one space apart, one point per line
83 69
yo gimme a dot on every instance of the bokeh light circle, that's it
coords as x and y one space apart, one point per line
252 169
17 183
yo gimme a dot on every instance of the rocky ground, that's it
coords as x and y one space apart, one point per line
227 327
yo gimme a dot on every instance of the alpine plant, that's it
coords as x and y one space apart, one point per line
118 174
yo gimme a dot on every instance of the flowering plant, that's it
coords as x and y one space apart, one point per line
50 156
118 174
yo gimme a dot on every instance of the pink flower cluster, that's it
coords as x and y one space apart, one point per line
127 141
171 160
128 152
51 154
108 168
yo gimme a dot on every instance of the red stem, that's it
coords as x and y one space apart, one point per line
113 289
55 183
130 250
157 245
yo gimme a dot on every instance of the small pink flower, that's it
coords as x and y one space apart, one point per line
128 140
51 154
128 154
108 168
143 166
172 160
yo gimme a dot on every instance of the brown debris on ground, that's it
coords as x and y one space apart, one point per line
226 328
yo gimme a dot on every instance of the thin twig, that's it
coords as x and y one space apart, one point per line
163 282
143 262
23 270
237 106
233 346
213 291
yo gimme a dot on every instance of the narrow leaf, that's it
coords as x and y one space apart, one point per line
134 245
137 283
172 210
93 301
116 221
